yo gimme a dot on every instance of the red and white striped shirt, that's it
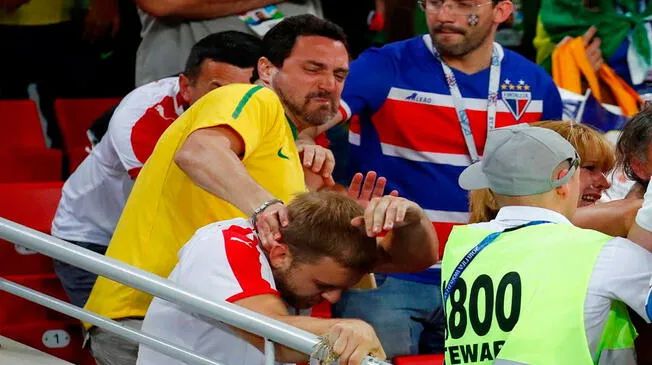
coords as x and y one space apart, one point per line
95 194
222 261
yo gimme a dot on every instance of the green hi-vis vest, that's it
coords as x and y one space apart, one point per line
521 300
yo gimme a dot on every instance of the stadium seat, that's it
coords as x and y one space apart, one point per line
20 124
30 204
30 164
33 205
75 157
16 310
437 359
18 260
75 116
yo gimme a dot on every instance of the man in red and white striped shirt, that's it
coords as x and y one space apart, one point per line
94 196
323 251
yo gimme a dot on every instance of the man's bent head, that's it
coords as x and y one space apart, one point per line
321 253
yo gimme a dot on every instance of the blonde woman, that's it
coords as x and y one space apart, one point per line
597 155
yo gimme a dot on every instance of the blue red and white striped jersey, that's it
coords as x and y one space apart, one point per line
404 125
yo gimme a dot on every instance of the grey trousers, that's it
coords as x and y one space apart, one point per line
111 349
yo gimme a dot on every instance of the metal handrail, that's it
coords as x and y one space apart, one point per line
109 325
231 314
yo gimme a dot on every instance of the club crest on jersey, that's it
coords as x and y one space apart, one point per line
516 96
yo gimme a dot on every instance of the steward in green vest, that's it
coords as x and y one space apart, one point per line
529 287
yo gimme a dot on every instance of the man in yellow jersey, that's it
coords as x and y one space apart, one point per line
232 154
529 287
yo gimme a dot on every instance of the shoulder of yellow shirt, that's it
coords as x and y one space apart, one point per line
240 95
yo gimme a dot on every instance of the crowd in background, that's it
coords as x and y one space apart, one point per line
419 71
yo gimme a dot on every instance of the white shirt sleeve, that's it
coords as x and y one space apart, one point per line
622 272
123 120
644 215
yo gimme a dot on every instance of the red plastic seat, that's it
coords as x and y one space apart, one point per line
75 157
32 205
436 359
18 260
75 116
20 124
16 310
30 164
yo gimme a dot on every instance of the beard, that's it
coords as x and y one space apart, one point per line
319 116
283 281
471 40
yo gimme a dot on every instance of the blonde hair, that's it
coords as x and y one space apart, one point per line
590 145
320 226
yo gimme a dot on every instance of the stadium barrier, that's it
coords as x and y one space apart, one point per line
271 330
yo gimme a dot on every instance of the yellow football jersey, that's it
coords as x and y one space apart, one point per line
165 207
38 12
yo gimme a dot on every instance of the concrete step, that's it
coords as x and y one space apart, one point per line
15 353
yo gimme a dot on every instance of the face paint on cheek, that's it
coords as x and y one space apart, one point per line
473 20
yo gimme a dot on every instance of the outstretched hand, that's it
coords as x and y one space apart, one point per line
363 189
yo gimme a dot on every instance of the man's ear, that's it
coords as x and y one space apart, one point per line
638 168
184 88
266 70
563 190
280 256
502 11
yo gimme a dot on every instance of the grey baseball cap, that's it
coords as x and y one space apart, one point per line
520 160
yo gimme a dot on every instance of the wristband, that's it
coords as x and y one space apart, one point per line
263 207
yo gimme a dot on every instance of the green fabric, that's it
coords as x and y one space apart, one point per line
293 128
244 100
420 25
544 46
554 263
570 18
619 332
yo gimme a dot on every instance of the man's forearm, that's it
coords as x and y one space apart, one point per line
271 306
410 248
640 236
219 171
199 9
316 326
613 218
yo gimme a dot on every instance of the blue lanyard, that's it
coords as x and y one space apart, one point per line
474 252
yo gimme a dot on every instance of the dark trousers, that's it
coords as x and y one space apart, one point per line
78 283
